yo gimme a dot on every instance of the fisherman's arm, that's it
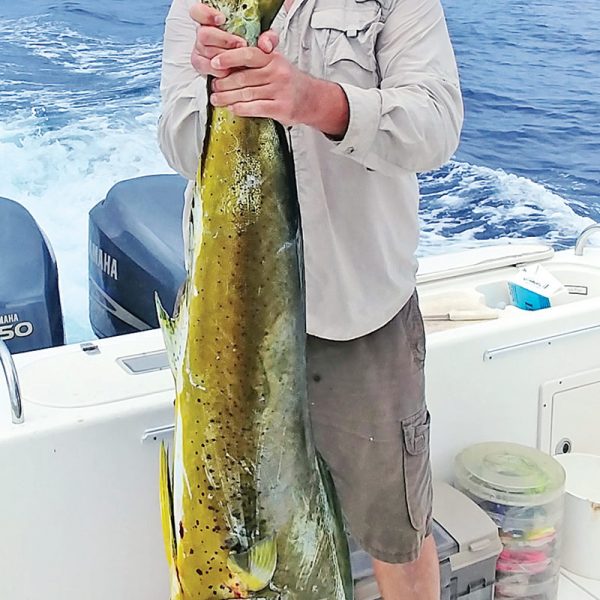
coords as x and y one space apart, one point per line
183 93
192 38
262 85
413 121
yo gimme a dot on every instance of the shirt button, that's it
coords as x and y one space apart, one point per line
350 150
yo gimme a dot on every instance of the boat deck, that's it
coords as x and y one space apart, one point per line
573 587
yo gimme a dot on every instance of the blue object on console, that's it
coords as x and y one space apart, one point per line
526 299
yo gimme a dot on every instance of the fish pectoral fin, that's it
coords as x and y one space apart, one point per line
169 327
255 568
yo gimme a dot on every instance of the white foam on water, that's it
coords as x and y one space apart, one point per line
480 206
78 53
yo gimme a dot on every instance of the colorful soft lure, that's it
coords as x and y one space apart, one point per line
248 511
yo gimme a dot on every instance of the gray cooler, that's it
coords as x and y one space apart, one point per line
468 546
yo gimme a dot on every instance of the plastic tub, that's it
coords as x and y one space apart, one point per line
581 543
522 490
523 588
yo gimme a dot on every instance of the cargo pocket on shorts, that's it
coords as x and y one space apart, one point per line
417 469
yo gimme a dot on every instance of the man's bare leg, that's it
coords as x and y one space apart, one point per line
418 580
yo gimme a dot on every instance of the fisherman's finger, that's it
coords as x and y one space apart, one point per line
209 52
206 15
242 78
241 57
268 41
259 108
213 36
202 65
249 94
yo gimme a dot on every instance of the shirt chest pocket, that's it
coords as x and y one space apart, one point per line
345 39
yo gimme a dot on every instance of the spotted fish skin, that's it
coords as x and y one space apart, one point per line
248 511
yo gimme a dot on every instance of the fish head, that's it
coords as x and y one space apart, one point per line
248 18
242 17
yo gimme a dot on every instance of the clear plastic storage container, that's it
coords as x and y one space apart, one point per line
522 490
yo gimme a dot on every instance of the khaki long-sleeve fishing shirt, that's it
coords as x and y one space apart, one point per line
358 197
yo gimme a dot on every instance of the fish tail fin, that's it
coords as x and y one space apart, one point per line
255 568
168 523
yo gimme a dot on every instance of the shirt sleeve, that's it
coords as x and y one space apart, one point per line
183 91
413 120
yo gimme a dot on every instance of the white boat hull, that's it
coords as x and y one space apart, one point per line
79 513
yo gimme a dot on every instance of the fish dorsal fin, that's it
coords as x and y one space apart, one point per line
255 568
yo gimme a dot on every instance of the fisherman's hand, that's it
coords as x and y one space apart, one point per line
263 84
212 41
260 85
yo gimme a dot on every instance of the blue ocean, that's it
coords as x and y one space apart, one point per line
79 104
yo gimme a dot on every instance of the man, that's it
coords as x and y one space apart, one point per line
370 94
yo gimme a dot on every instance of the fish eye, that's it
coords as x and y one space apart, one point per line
244 6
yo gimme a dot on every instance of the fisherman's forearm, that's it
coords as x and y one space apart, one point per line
326 107
181 127
183 94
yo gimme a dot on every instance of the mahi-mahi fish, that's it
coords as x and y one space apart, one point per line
248 508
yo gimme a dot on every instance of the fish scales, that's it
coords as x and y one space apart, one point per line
248 510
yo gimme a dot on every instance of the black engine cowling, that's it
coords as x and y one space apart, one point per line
30 310
135 250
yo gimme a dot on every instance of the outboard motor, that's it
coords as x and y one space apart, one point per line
30 311
135 250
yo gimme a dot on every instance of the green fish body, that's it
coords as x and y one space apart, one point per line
248 511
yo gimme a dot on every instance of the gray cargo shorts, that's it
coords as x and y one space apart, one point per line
371 425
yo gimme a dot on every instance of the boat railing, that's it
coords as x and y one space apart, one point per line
12 381
584 236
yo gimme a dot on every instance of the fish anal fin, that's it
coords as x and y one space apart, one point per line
255 568
168 524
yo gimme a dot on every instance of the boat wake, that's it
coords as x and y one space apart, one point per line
465 206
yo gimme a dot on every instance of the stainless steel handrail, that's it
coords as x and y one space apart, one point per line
12 381
584 236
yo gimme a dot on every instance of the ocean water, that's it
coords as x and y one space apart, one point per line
79 106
